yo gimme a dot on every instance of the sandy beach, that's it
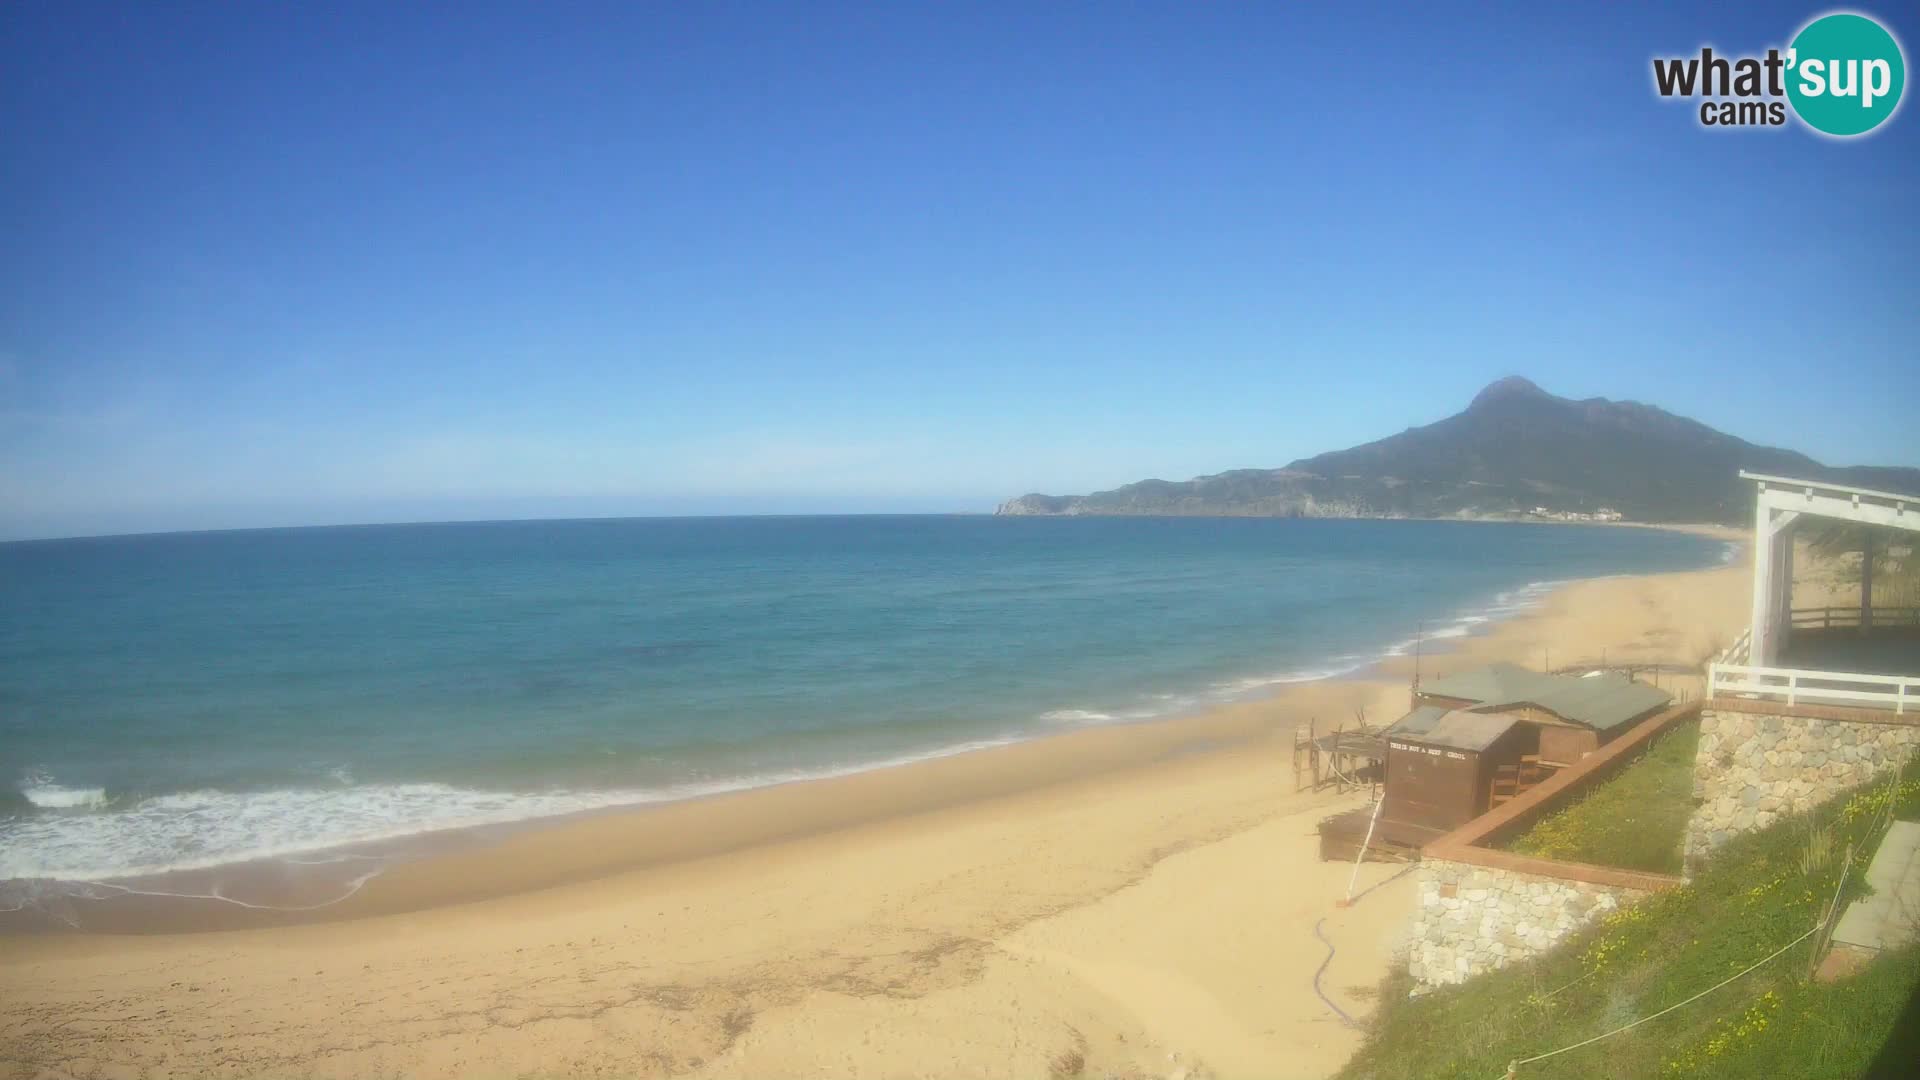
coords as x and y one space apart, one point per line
1126 901
869 541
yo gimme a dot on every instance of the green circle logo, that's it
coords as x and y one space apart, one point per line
1845 74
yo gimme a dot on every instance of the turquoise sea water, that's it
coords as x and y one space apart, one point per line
191 700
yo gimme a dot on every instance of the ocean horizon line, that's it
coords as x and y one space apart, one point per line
784 515
315 690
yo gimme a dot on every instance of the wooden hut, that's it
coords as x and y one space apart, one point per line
1479 738
1442 763
1575 715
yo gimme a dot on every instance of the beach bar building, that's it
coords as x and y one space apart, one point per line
1478 738
1573 715
1441 764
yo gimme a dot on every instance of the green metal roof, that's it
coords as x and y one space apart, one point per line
1462 730
1418 722
1600 701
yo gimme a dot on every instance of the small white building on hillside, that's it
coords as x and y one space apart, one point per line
1810 703
1862 657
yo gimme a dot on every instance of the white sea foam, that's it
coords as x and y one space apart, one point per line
1076 716
1502 605
1251 683
200 829
38 788
55 797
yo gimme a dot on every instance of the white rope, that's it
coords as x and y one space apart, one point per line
1364 845
1825 918
1774 956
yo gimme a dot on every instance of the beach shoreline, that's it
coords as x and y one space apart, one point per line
466 864
1140 898
469 864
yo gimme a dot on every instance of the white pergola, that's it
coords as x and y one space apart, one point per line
1782 504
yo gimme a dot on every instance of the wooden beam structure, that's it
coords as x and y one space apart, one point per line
1781 503
1344 759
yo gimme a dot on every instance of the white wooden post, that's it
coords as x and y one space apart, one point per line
1762 581
1866 585
1784 591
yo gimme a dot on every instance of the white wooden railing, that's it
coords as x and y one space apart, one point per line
1730 673
1737 652
1797 686
1827 618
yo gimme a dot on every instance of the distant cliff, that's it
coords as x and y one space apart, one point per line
1513 450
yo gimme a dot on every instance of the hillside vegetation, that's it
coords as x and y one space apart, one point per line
1635 821
1758 894
1514 448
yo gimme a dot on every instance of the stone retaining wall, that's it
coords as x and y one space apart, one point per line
1474 919
1755 766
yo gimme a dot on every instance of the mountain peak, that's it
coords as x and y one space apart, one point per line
1509 388
1517 452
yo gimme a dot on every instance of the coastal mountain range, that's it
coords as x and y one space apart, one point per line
1516 450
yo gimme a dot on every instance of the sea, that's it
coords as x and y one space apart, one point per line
180 701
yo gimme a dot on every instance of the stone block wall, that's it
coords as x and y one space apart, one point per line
1474 919
1754 767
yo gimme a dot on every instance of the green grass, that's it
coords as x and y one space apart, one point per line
1757 894
1635 821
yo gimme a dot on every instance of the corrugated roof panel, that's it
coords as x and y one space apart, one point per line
1601 701
1458 729
1418 722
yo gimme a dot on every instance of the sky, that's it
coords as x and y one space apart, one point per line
295 264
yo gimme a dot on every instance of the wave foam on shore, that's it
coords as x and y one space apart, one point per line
82 835
198 830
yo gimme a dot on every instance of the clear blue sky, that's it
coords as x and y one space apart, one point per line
274 264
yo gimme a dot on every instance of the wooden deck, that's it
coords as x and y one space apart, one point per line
1342 758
